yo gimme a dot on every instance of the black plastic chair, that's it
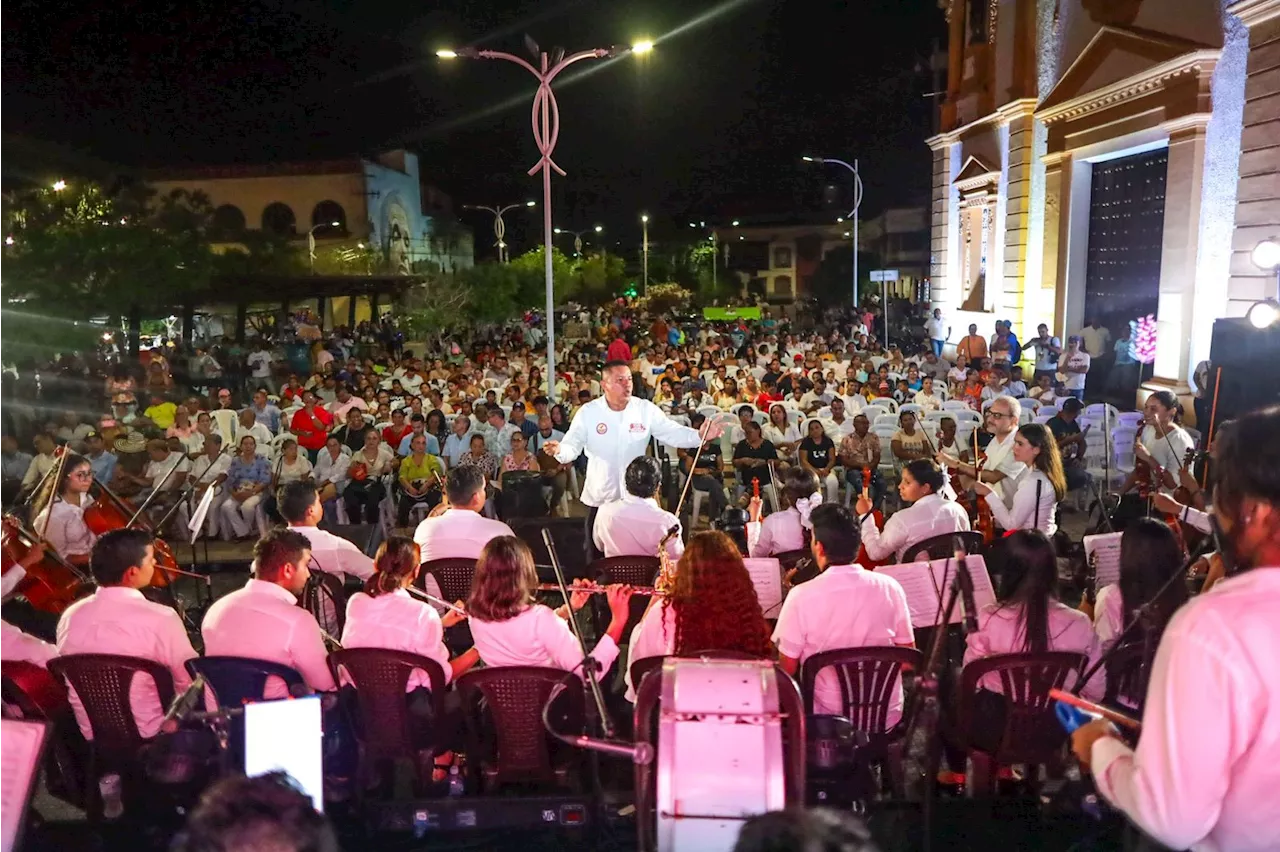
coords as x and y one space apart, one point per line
325 597
236 681
452 575
102 683
944 546
867 677
386 729
648 697
1127 675
507 743
802 560
34 694
630 571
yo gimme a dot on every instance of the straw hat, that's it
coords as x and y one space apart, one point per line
132 442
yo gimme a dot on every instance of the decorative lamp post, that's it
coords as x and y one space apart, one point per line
499 226
853 214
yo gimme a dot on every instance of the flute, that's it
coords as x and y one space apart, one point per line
435 600
635 590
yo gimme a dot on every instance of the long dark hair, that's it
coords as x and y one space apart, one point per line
716 608
1029 584
396 561
799 483
1049 461
1149 557
504 582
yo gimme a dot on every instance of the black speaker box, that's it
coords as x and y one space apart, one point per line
569 535
367 537
1246 358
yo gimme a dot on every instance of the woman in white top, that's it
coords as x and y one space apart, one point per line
713 607
785 531
1039 487
781 432
929 514
62 521
365 492
1150 555
291 466
510 629
1162 443
386 616
1027 617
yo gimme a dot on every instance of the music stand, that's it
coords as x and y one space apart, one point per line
195 526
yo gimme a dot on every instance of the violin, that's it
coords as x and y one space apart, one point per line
864 558
981 518
51 584
110 512
1147 478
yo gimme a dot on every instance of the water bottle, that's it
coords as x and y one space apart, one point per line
456 787
419 824
109 787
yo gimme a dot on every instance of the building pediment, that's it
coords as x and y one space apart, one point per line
976 174
1120 62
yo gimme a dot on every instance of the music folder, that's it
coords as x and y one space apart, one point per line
21 744
928 584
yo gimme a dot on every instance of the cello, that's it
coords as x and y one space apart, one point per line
51 583
110 512
864 559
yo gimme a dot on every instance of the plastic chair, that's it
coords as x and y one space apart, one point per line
1031 734
912 407
956 405
648 696
236 681
944 546
325 597
885 421
452 575
507 743
387 731
867 677
102 683
1127 675
30 692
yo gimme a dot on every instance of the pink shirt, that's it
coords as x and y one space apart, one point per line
118 620
1000 633
1206 772
535 637
846 606
397 622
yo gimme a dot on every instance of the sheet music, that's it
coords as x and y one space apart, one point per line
928 583
766 576
202 511
1106 546
20 745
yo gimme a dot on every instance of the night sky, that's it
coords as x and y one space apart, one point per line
709 126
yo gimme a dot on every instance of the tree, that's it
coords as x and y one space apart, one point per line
532 276
602 276
662 298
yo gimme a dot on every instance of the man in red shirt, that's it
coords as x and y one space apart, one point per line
618 350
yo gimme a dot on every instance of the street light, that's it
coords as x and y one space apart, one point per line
577 236
546 130
857 202
499 226
311 239
59 185
644 252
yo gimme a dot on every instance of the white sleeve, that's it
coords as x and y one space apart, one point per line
562 646
671 433
763 545
352 560
1022 515
176 647
308 654
881 545
575 440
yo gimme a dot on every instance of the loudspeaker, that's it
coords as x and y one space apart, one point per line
569 535
1246 358
367 537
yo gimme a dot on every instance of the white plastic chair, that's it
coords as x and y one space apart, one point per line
1129 420
965 415
956 405
794 416
888 421
1028 402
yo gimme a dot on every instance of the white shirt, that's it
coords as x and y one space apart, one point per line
1075 381
260 434
1096 340
327 469
300 469
786 435
1205 773
845 606
611 439
927 401
40 465
1046 359
813 397
535 637
1000 459
157 471
1170 452
1022 515
205 470
260 361
929 516
654 636
936 327
19 647
397 622
339 409
837 431
263 621
1000 632
66 529
457 534
1108 616
498 440
118 620
633 526
411 384
779 533
334 554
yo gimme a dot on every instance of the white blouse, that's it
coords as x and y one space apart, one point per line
778 533
929 516
536 637
654 636
1024 514
66 530
397 622
299 470
1000 632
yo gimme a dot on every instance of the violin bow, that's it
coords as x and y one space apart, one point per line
59 467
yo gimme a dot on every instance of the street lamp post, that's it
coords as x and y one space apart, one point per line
644 252
499 226
546 130
857 202
577 236
311 240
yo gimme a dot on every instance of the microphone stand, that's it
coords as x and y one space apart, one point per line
589 663
924 700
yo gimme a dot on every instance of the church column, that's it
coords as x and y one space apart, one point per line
1057 218
942 290
1258 191
1183 191
1018 165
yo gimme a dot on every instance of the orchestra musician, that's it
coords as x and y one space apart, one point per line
713 607
61 522
845 606
634 525
510 629
1212 785
1037 489
300 506
262 620
17 645
1000 468
929 513
117 619
1162 443
788 529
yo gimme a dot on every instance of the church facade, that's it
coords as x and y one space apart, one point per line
1107 160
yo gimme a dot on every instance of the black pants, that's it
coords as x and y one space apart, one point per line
589 542
406 503
713 487
986 726
362 500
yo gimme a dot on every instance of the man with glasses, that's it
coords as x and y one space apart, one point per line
1000 469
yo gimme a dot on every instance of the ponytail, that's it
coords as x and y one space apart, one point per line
396 563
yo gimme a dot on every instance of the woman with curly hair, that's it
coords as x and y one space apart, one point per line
713 608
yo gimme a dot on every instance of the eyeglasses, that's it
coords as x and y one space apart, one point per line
82 474
1000 414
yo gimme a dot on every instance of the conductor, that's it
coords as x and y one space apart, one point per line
615 429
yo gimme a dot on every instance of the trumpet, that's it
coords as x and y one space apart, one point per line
635 590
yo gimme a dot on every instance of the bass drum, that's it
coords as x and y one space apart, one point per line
521 496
